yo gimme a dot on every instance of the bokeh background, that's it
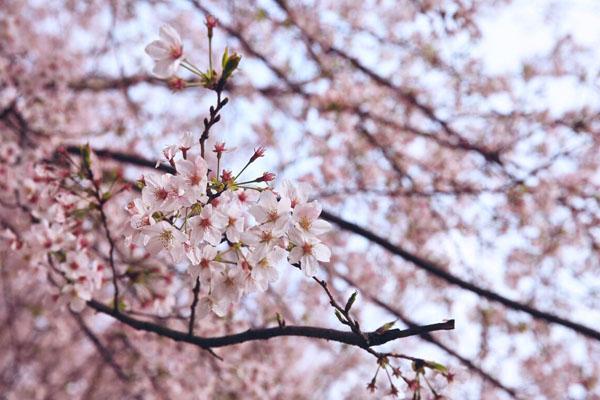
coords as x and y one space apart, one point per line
466 132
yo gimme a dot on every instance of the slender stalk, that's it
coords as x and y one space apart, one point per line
193 307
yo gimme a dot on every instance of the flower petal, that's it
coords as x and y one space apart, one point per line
170 35
321 252
158 50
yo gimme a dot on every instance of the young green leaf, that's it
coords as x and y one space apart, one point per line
351 301
385 327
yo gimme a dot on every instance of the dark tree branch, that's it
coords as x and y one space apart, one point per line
214 117
351 338
111 251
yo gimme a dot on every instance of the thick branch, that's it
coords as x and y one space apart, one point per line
351 338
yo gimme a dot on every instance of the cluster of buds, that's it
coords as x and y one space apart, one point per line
232 235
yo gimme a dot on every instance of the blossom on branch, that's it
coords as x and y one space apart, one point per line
167 52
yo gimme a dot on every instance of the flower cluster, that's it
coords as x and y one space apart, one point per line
232 236
60 236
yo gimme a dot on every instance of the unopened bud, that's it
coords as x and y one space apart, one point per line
266 177
226 176
211 23
219 148
176 84
258 152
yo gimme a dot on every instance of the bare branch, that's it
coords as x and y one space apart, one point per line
351 338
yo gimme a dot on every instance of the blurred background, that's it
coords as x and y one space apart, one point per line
465 132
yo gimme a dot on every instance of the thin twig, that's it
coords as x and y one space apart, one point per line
193 306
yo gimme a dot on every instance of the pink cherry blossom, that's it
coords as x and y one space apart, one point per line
193 172
306 219
227 285
308 252
208 226
265 262
167 52
272 213
163 236
204 263
162 192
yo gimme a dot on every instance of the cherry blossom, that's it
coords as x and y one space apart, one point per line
272 213
227 285
167 52
209 225
163 236
306 219
204 263
194 174
265 262
413 141
308 252
161 192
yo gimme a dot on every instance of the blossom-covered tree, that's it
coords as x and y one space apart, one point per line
303 217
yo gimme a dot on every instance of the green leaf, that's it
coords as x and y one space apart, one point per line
385 327
351 301
280 320
86 152
339 316
80 213
225 58
121 306
230 65
59 255
437 366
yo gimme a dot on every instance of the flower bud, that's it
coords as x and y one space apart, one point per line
176 84
211 23
258 152
266 177
219 148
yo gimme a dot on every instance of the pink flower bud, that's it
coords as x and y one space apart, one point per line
211 23
176 84
258 152
266 177
219 148
226 176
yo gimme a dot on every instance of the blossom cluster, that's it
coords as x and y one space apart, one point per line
59 236
231 236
